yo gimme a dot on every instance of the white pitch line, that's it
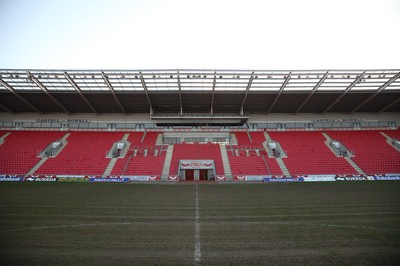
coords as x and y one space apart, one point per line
63 226
197 250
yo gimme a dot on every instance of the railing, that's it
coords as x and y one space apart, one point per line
266 164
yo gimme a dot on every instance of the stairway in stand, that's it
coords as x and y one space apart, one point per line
167 163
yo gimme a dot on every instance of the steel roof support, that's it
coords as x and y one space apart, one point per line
146 91
389 105
312 92
180 94
213 93
246 92
22 99
280 92
354 83
381 88
40 85
76 87
112 91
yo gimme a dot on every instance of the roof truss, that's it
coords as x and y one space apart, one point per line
274 85
287 78
352 85
246 92
22 99
41 86
381 88
113 92
312 92
80 92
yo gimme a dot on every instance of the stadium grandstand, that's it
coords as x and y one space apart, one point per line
198 125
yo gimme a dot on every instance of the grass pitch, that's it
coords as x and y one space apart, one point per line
333 223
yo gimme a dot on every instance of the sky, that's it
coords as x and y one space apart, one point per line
200 34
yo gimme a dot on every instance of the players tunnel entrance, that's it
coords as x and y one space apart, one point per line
196 170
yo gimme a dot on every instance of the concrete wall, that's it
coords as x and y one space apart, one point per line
279 118
145 118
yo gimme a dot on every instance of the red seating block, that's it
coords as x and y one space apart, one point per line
308 154
372 153
18 153
84 154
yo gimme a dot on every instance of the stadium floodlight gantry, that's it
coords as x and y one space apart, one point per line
190 92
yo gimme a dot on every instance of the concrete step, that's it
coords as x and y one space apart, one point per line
40 163
159 140
328 141
4 137
110 167
355 166
64 138
267 137
233 139
64 142
283 167
167 163
225 163
389 141
125 137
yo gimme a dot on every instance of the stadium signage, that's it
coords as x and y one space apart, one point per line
338 120
254 178
10 178
249 177
319 178
350 178
173 178
154 178
48 120
240 178
108 180
32 178
196 164
386 177
141 178
63 178
137 178
220 178
284 179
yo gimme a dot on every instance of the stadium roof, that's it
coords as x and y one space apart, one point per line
191 91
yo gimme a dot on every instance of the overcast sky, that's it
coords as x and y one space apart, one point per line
204 34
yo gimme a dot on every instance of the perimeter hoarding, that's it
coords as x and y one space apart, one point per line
11 178
108 180
67 178
284 179
395 177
